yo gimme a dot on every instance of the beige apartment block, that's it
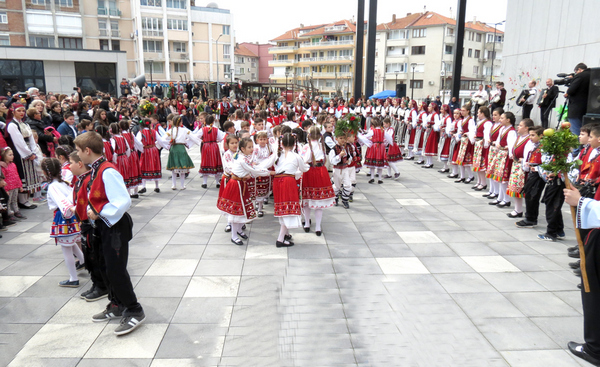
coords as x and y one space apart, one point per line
246 64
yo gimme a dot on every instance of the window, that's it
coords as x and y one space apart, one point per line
176 4
489 38
152 27
114 29
397 34
153 46
240 71
344 68
416 84
180 67
64 42
226 30
179 46
253 76
475 70
227 68
177 24
329 84
448 50
418 50
471 36
331 53
151 3
154 67
396 51
3 17
478 37
4 41
104 45
477 53
226 51
64 3
16 76
490 55
38 2
41 41
116 45
450 32
419 32
400 67
470 53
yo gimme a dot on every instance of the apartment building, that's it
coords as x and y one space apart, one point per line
246 64
166 40
319 57
418 50
262 51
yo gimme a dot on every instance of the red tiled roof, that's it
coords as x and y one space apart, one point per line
321 30
294 33
431 18
400 23
243 51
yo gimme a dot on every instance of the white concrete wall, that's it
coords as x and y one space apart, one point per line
546 37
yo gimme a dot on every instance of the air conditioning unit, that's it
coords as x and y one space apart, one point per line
183 56
443 73
132 35
431 82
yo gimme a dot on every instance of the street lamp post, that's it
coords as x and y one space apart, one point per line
396 85
151 67
218 87
412 82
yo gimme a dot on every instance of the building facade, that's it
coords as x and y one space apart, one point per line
246 64
317 57
262 50
418 51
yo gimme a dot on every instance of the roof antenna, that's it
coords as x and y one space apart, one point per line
424 8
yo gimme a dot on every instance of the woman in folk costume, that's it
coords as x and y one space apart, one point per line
410 118
232 142
359 111
121 153
446 128
432 135
20 139
401 124
481 150
465 152
262 152
135 177
211 155
494 187
237 198
150 158
375 158
419 126
178 138
505 145
516 181
393 154
317 191
455 143
369 113
289 167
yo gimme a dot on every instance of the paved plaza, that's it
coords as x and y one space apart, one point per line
418 272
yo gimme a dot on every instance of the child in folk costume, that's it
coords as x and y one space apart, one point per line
150 158
211 155
410 118
534 184
121 154
375 158
494 187
237 198
262 152
65 227
13 184
232 142
393 154
289 167
505 144
432 135
454 143
446 126
62 154
481 149
419 125
341 157
135 174
465 152
317 192
517 175
108 150
355 163
177 139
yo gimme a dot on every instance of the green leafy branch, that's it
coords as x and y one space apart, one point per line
559 144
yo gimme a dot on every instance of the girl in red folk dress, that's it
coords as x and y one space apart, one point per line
317 191
393 150
454 143
465 152
150 158
135 174
505 144
446 127
480 153
494 187
262 151
62 154
211 164
517 175
108 148
375 158
432 135
287 205
121 153
228 157
237 198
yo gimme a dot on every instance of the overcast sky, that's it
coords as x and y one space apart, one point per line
263 20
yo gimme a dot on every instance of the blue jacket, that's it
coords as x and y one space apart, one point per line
65 129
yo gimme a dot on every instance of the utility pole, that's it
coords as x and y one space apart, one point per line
458 52
371 45
359 50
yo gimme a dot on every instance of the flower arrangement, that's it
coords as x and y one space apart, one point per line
346 124
559 144
146 108
200 107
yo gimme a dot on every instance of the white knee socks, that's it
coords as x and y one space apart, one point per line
518 205
282 232
307 216
68 252
182 179
318 219
174 180
205 179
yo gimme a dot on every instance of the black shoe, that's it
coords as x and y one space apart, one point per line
518 215
575 264
579 351
287 237
577 272
579 286
129 323
410 158
570 249
157 190
574 254
396 175
486 195
134 196
493 196
218 185
453 176
204 186
319 233
495 202
480 188
283 244
547 237
525 224
142 191
428 166
69 283
419 162
379 182
459 180
503 204
469 180
306 229
111 311
260 214
237 242
228 228
95 295
345 204
474 187
444 170
244 227
79 266
30 206
372 180
387 176
243 235
83 294
368 175
9 223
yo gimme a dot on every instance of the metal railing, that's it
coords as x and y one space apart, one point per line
283 48
327 43
109 11
331 58
281 76
327 75
152 33
287 62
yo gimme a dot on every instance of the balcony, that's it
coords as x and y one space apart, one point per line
489 46
281 76
397 42
174 56
152 33
282 49
282 62
344 44
109 12
327 75
114 33
326 59
450 39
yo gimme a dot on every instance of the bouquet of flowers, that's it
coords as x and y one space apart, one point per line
200 107
559 144
347 124
146 108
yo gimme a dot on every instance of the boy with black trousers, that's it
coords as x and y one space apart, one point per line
108 202
534 184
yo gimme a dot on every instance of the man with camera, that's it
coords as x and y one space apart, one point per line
578 96
548 101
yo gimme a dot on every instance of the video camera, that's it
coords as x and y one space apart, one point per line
566 79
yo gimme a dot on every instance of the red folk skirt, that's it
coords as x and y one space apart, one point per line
465 152
393 153
150 163
445 151
376 156
263 186
124 168
286 196
411 138
134 164
431 146
317 191
211 163
237 200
